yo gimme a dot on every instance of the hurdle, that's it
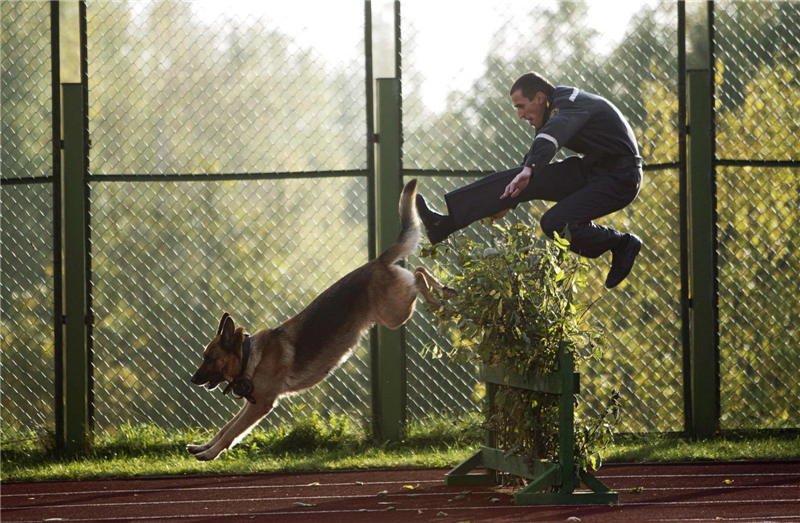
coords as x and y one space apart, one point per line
562 477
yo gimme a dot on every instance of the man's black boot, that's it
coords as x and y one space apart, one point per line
623 256
437 226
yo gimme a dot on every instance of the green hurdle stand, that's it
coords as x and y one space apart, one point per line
562 477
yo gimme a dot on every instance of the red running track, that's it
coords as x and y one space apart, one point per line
741 492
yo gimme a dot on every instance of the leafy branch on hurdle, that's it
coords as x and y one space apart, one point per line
516 306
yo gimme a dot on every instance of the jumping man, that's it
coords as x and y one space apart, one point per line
606 179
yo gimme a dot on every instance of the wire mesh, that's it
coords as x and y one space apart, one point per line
26 222
27 305
757 114
207 88
26 90
459 117
757 53
759 271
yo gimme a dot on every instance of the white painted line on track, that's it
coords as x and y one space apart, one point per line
747 475
244 500
624 504
237 487
707 502
405 482
758 519
298 512
305 513
180 490
726 487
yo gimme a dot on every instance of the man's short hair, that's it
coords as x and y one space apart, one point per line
532 83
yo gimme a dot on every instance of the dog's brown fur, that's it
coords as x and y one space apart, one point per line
306 348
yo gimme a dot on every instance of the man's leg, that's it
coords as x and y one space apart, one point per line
605 192
481 198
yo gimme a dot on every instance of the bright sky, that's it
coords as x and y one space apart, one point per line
334 29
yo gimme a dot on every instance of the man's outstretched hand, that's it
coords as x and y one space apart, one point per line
519 182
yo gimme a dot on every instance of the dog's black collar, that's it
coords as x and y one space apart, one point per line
241 387
245 353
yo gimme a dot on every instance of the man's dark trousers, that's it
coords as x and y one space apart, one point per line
584 191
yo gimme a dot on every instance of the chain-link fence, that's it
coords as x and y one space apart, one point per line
230 171
27 224
185 88
757 56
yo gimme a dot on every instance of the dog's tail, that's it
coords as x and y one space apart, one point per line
410 234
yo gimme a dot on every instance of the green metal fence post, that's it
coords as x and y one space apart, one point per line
704 364
76 371
391 358
566 419
58 271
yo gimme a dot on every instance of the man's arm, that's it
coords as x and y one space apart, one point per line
558 130
560 127
519 182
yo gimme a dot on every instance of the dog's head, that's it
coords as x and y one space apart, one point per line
222 357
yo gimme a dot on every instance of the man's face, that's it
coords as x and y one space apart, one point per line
530 110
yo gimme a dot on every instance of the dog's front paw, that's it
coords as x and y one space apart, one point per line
195 449
207 455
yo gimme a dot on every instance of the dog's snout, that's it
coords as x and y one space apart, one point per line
196 380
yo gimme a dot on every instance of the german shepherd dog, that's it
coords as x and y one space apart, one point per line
306 348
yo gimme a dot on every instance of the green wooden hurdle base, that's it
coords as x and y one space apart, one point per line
562 476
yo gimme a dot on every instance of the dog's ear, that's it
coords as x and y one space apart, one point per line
222 323
227 329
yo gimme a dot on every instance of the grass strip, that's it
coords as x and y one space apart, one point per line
313 444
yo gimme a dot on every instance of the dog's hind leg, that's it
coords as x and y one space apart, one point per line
238 428
426 281
196 449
